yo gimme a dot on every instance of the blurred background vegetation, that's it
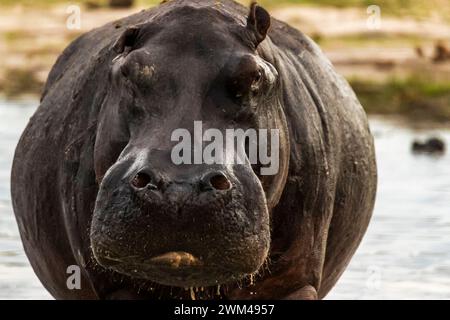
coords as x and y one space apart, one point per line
403 68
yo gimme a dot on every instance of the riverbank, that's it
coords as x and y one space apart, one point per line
392 69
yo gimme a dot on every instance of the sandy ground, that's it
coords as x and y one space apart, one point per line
33 38
341 22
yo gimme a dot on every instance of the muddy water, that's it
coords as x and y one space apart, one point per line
405 254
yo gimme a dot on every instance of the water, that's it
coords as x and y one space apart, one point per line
405 253
17 279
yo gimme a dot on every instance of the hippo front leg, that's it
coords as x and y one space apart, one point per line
305 293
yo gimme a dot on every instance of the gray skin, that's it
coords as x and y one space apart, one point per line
93 184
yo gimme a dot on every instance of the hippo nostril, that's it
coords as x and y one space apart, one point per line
141 180
220 182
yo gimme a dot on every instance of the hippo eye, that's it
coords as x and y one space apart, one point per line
125 71
258 77
244 84
256 82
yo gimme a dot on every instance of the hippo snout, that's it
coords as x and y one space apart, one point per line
211 181
205 189
181 227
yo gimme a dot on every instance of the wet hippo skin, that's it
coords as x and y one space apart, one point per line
93 183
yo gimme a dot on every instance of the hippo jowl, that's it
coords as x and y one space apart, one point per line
93 184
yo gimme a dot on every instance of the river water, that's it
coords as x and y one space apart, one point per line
404 255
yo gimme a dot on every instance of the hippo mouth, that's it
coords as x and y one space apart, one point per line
171 260
185 269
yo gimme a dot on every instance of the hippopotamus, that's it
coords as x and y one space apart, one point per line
94 185
431 146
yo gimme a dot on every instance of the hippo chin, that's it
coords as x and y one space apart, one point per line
94 183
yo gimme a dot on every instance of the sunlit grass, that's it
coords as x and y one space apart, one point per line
18 81
413 97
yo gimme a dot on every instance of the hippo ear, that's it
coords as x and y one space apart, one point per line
127 40
258 22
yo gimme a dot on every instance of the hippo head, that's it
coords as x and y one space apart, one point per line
191 223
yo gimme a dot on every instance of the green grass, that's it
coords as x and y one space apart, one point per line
20 81
413 97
